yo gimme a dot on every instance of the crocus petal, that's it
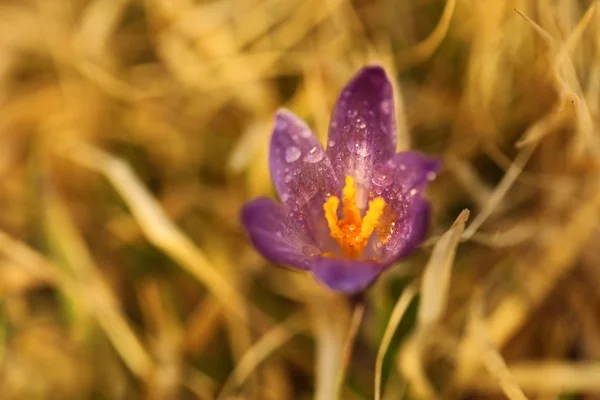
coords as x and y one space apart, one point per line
348 276
401 181
302 173
362 132
275 236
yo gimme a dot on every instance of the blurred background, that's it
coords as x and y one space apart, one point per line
132 131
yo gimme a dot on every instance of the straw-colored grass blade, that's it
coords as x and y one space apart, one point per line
265 346
158 228
436 277
397 313
434 294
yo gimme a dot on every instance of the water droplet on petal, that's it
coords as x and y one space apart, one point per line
314 155
413 192
292 153
310 251
287 178
362 149
352 113
431 175
385 107
281 124
360 123
285 197
305 132
331 143
381 178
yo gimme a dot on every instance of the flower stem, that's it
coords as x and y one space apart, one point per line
336 322
331 315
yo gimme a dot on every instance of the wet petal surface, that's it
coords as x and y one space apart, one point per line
401 181
275 236
362 132
302 173
348 276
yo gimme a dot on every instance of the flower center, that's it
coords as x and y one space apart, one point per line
352 233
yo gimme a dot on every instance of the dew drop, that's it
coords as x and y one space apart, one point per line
287 178
314 155
431 175
413 192
385 107
292 153
281 124
388 243
362 149
381 178
285 197
310 251
331 142
360 123
304 132
352 113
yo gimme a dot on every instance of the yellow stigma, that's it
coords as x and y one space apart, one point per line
353 232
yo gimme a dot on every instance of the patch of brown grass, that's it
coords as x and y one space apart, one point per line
131 132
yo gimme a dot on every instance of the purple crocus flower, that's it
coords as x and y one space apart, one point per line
383 215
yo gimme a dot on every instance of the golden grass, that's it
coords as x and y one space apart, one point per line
131 133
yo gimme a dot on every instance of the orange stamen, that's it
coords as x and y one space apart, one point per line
352 233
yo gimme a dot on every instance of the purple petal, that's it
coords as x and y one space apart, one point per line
363 128
302 173
401 181
276 237
348 276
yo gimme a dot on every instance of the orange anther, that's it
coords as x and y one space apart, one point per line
352 233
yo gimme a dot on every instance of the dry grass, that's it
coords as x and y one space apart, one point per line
131 132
